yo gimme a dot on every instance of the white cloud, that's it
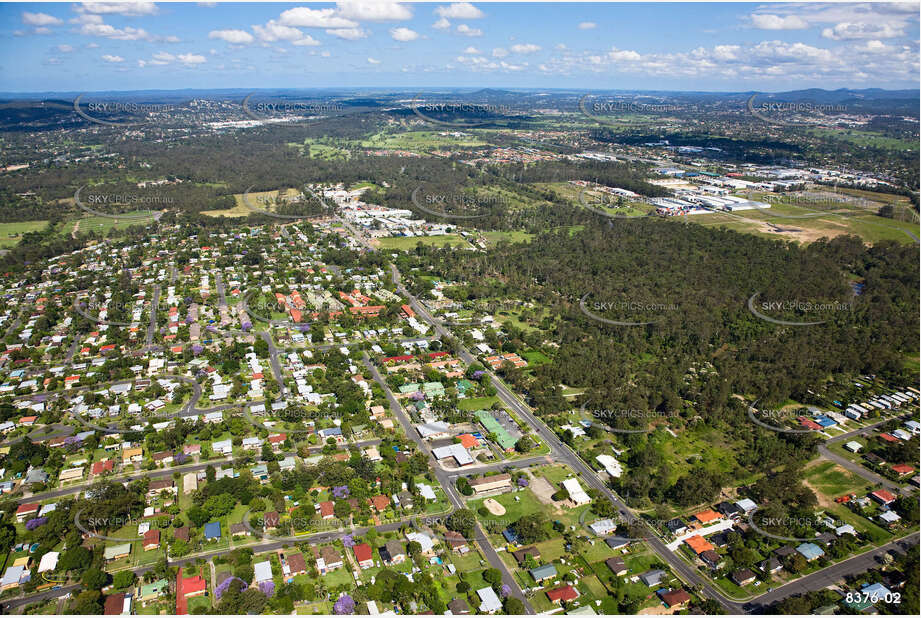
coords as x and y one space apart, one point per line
234 37
587 25
875 47
65 49
130 9
468 31
561 46
775 22
191 59
459 10
307 41
780 51
119 34
163 58
40 19
92 25
87 19
623 55
374 10
274 31
403 34
303 17
373 61
726 52
499 52
110 58
349 34
525 48
472 50
92 45
441 24
849 31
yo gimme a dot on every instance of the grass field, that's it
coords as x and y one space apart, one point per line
867 138
11 233
476 403
258 200
316 150
598 200
493 238
839 220
833 480
407 243
420 141
102 225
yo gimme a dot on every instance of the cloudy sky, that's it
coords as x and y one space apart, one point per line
65 47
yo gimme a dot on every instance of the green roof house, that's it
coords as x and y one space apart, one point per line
505 440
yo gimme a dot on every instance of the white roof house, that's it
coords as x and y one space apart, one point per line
252 442
890 517
262 571
437 429
422 539
14 574
603 526
49 561
853 446
611 465
747 505
457 451
427 492
576 493
489 602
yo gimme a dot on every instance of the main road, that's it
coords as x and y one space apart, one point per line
856 468
445 480
154 307
560 451
685 571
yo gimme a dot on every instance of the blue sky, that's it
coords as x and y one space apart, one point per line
683 46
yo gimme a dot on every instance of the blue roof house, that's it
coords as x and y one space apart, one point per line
810 551
213 531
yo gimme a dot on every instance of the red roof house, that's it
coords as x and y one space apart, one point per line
151 540
363 555
565 593
883 496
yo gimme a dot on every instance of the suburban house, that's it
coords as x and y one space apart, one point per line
563 594
151 540
296 564
363 555
577 495
328 559
675 598
743 577
521 555
392 553
489 601
617 565
546 571
485 484
116 552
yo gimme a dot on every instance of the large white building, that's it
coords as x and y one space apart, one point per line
576 494
610 465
